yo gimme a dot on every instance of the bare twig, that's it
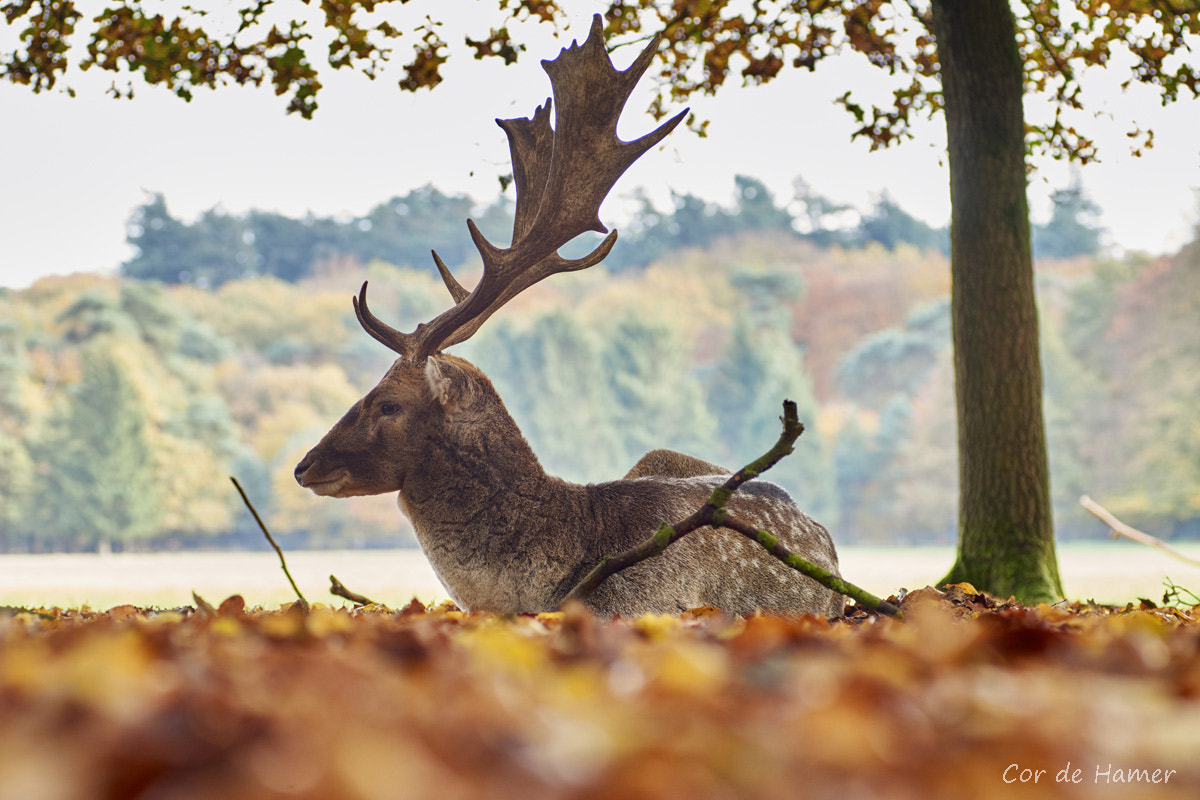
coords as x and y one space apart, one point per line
271 539
713 514
338 589
1121 529
203 605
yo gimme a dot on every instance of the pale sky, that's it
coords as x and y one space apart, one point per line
73 169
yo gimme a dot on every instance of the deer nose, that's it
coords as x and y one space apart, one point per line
302 468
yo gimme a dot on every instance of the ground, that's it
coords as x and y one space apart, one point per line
967 697
1109 572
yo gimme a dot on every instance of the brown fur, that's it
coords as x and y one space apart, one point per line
673 464
504 536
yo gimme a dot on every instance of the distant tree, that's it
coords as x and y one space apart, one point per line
287 248
95 312
17 477
657 399
695 222
1093 305
923 475
639 244
158 321
765 291
16 468
692 222
550 376
199 342
894 425
896 360
1078 404
1073 229
495 220
760 368
404 229
219 247
254 474
175 335
855 467
214 249
755 208
821 220
14 363
93 464
864 466
224 250
161 243
246 314
890 226
1149 363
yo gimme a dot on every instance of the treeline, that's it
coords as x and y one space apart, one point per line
218 247
126 404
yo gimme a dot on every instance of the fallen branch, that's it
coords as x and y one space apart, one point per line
271 539
814 571
713 514
338 589
1121 529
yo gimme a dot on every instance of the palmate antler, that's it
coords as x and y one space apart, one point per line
562 175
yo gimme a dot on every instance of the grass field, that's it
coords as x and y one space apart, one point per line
1109 572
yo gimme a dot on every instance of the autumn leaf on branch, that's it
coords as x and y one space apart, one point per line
706 44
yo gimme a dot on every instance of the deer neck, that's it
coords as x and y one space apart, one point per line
494 526
462 476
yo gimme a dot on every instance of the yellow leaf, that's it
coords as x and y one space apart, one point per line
692 666
656 626
501 647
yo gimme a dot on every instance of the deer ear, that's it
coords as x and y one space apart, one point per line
450 385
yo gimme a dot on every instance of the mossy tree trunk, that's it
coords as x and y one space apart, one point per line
1005 536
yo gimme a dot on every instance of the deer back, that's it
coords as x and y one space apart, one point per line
717 568
674 464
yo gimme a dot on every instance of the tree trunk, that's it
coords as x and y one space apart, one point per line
1006 535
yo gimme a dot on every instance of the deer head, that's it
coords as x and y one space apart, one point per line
562 175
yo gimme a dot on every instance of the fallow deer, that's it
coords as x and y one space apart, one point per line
502 534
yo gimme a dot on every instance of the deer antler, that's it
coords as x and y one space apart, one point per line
562 175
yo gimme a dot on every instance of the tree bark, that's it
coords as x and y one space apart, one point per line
1006 535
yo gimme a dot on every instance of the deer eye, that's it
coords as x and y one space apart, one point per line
389 409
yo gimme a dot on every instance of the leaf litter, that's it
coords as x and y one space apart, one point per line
968 696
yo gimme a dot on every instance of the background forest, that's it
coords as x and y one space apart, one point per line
228 347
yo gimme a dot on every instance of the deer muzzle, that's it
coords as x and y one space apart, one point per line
309 475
